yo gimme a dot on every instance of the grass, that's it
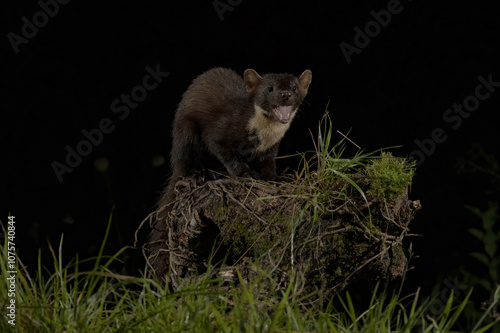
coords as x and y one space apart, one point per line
65 299
328 174
87 296
389 176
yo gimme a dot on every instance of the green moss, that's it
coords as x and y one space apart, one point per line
389 176
399 258
280 219
222 212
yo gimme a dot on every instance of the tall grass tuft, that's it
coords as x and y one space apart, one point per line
66 299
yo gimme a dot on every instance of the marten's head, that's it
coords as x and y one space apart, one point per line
278 95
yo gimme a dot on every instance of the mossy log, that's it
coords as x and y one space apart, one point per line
281 228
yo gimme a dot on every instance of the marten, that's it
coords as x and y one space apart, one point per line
240 121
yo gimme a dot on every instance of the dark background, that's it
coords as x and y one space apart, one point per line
395 91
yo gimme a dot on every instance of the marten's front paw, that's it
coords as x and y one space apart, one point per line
249 174
199 176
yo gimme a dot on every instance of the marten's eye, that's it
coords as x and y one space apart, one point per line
294 88
270 89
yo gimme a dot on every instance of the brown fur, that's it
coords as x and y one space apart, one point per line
238 121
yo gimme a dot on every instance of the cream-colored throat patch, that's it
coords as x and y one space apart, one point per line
268 130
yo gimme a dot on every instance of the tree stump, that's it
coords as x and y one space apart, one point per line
321 238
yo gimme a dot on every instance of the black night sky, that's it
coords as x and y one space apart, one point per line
425 76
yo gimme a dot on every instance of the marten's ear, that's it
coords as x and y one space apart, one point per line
305 80
252 80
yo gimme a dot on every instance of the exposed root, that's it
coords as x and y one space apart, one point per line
281 228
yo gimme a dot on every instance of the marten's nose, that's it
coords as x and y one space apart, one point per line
286 95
